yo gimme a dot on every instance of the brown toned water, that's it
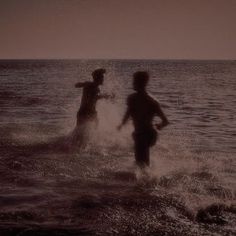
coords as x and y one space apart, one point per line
46 190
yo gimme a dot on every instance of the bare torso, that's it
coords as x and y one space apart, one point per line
142 108
89 99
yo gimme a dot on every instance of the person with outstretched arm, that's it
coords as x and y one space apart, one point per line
87 113
142 108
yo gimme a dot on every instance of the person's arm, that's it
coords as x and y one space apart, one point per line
164 120
126 115
125 119
80 84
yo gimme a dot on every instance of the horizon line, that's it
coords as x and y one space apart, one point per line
121 59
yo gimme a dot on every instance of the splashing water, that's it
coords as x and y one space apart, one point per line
189 188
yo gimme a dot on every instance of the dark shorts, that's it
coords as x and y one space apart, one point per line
142 143
147 138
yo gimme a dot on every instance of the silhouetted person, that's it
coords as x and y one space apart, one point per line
91 94
142 108
87 113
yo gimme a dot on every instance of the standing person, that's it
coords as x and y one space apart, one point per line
142 108
87 113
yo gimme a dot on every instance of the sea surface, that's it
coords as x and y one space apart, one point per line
45 189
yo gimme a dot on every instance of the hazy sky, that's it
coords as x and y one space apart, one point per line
155 29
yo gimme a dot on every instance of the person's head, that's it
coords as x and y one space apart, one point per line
98 76
140 80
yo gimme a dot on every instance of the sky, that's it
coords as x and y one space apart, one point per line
118 29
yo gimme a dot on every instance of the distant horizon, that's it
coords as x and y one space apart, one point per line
113 59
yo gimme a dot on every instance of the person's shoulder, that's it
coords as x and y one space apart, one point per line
88 84
152 99
131 97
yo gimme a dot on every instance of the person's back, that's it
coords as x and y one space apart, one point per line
142 108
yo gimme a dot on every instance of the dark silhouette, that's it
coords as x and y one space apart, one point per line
87 114
91 94
142 108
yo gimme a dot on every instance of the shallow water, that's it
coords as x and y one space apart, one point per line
48 189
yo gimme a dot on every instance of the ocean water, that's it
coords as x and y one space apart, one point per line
190 188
